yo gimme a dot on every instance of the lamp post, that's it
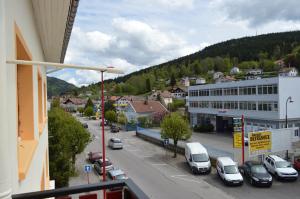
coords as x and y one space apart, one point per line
289 99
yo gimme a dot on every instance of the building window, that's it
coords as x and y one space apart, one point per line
230 105
216 92
230 91
249 90
245 105
267 106
25 108
204 92
193 93
217 105
267 89
203 104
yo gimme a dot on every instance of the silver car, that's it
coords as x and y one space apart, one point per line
98 166
115 143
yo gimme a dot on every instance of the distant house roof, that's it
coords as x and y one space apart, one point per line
113 98
286 70
76 101
150 107
166 94
177 90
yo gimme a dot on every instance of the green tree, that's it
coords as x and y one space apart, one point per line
175 127
89 111
109 106
122 119
111 116
89 103
172 80
81 110
148 85
55 103
67 137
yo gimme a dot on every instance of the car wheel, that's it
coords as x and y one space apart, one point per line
276 176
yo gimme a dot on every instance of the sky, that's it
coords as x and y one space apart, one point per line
135 34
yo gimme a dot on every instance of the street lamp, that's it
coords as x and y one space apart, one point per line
289 99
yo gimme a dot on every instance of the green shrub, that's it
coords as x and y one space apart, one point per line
204 128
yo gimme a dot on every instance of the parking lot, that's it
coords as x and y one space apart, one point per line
161 176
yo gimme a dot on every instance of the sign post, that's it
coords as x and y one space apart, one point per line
87 170
166 143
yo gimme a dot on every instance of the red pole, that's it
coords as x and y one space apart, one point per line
243 144
103 137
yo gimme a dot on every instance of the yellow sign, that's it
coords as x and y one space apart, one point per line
237 140
260 142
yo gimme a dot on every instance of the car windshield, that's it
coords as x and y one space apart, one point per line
117 141
107 163
282 164
258 169
202 157
231 169
121 177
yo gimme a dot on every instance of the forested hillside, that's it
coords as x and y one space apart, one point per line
247 52
56 87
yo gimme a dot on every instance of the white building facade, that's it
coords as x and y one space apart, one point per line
24 152
261 101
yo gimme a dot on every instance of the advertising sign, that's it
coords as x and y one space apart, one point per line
237 140
260 142
237 132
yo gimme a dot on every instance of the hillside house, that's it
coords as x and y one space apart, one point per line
178 93
73 104
218 75
165 96
144 108
235 70
288 72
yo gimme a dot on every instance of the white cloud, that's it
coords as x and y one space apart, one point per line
173 4
131 45
257 12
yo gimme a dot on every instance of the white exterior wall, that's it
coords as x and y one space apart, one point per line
235 112
21 14
289 86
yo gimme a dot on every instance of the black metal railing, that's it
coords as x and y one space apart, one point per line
130 189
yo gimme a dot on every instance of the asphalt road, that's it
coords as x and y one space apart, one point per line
162 177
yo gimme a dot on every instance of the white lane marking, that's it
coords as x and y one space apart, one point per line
184 179
131 150
159 164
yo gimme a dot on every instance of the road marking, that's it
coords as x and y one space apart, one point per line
180 177
132 150
159 164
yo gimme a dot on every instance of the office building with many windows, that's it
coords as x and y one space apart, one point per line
261 101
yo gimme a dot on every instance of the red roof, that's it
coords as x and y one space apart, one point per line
150 107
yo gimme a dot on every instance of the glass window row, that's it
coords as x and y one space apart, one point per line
241 105
246 90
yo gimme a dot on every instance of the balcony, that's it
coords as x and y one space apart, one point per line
117 189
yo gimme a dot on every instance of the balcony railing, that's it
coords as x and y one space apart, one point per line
117 189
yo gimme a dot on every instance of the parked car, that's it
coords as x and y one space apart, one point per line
256 174
280 168
197 158
98 166
94 156
115 143
85 125
297 164
114 129
116 174
228 171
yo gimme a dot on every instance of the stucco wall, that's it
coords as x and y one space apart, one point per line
21 14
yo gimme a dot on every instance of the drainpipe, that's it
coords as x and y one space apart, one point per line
5 182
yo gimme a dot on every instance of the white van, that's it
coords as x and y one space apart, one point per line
197 158
228 171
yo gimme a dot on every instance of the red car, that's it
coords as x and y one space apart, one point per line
297 164
94 156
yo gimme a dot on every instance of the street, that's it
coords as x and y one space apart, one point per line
160 176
